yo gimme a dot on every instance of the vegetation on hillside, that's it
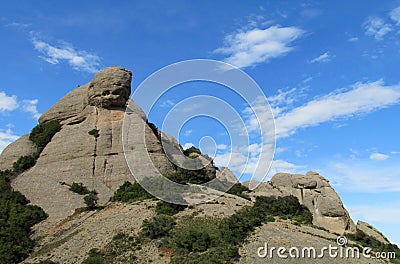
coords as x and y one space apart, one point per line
377 246
16 220
169 208
130 192
204 240
79 188
191 150
42 134
184 176
91 201
23 163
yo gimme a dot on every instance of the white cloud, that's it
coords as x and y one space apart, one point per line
395 15
377 28
30 106
353 39
250 47
376 213
322 58
168 103
284 166
364 177
308 79
78 59
222 146
361 98
8 103
188 132
6 137
187 145
378 156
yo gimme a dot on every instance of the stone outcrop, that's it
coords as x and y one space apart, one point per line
73 155
21 147
371 231
315 192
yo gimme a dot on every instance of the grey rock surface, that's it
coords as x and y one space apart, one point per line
315 192
21 147
75 156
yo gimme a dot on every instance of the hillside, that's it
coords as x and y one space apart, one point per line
72 165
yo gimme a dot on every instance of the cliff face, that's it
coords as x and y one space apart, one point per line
73 155
315 192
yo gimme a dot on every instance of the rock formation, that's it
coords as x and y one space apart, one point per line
315 192
75 156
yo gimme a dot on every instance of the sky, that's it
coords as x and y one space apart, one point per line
328 69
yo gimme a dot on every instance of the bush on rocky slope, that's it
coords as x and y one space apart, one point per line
16 220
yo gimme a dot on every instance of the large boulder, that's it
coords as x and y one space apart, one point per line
315 192
110 87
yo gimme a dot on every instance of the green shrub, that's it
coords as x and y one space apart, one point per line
23 163
239 190
42 134
169 208
91 200
287 206
130 192
184 176
195 235
205 240
119 249
377 246
16 220
95 256
159 226
191 150
94 132
79 188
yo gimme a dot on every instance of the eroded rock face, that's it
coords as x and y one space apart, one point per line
110 87
73 155
315 192
372 231
21 147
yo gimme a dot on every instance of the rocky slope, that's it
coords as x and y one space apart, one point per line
97 160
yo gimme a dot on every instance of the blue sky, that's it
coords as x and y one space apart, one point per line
327 68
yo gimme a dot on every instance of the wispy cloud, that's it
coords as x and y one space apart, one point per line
364 177
168 103
361 98
250 47
377 27
8 103
30 106
18 25
395 15
79 60
222 146
188 132
378 156
322 58
376 213
6 137
352 39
